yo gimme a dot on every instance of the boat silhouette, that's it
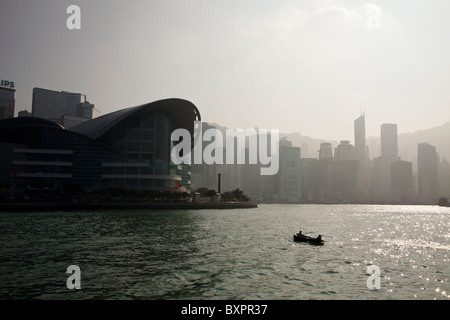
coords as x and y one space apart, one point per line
299 237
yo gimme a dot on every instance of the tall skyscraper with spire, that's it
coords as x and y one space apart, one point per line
360 139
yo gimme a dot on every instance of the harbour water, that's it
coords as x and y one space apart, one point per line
228 254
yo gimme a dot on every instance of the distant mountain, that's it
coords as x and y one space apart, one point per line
407 143
438 137
309 146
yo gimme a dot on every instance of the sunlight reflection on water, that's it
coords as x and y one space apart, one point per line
229 254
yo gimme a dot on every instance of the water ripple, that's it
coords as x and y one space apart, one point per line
228 254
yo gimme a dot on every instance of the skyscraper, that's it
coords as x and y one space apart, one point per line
7 101
325 152
444 178
360 139
381 179
65 108
344 151
428 173
401 181
289 173
389 141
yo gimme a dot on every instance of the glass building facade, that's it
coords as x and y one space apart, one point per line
143 147
45 154
7 102
128 149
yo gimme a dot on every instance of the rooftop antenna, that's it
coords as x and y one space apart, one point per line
362 107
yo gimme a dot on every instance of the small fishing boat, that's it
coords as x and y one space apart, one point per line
302 238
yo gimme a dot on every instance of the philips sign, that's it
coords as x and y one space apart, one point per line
7 84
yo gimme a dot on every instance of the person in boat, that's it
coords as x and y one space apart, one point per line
319 238
300 233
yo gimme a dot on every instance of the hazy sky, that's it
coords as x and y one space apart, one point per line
298 66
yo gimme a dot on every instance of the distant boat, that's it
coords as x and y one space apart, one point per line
310 240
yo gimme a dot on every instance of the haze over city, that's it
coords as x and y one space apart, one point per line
124 175
298 66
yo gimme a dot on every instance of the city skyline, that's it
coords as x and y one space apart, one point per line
362 145
288 65
216 150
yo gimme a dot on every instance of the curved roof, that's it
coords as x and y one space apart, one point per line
183 111
28 121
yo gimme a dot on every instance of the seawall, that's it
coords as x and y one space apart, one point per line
74 206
